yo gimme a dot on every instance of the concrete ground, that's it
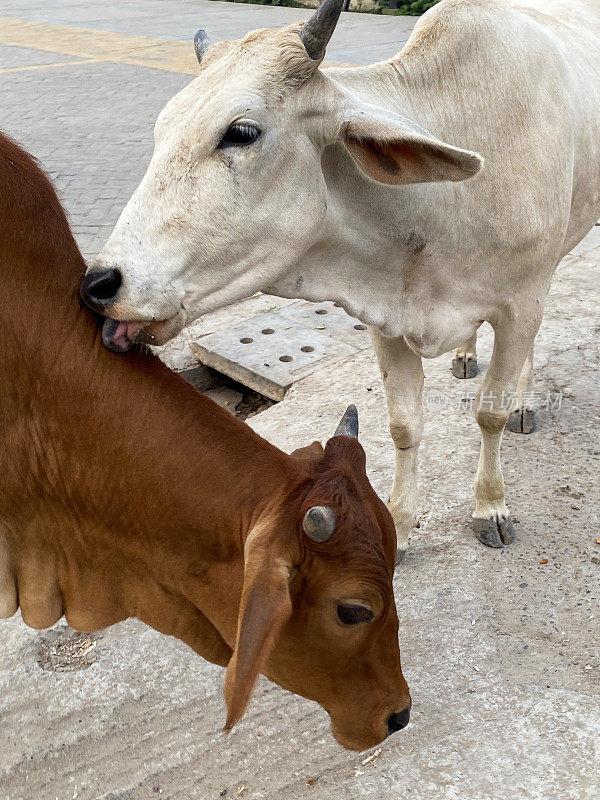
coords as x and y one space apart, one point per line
501 649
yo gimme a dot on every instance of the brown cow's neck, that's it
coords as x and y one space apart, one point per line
118 477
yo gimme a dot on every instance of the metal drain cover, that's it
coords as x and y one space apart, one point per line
273 350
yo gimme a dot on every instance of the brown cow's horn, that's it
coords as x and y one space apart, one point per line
348 424
319 523
201 44
318 30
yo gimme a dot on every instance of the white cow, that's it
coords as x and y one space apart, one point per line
272 174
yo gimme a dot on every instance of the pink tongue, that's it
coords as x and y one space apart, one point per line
131 328
125 331
118 336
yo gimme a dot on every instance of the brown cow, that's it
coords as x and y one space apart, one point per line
126 493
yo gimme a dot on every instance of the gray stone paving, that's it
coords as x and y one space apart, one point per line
91 127
359 38
11 57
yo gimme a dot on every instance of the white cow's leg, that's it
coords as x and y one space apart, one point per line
512 342
522 413
464 359
402 374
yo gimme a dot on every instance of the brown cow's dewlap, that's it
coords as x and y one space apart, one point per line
8 583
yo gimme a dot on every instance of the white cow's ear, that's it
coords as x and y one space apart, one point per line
392 150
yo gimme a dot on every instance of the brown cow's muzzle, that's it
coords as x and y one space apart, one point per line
356 733
398 720
357 722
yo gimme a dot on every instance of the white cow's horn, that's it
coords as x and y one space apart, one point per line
201 44
319 28
319 523
348 424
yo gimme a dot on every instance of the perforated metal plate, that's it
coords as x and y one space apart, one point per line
271 351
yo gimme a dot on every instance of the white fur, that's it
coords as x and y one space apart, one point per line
423 263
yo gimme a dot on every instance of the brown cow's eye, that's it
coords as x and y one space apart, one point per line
239 135
352 615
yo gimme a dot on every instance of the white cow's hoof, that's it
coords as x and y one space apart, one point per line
521 421
464 367
494 532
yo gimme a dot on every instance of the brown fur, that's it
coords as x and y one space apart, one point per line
127 493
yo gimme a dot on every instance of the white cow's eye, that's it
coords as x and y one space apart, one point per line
240 134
